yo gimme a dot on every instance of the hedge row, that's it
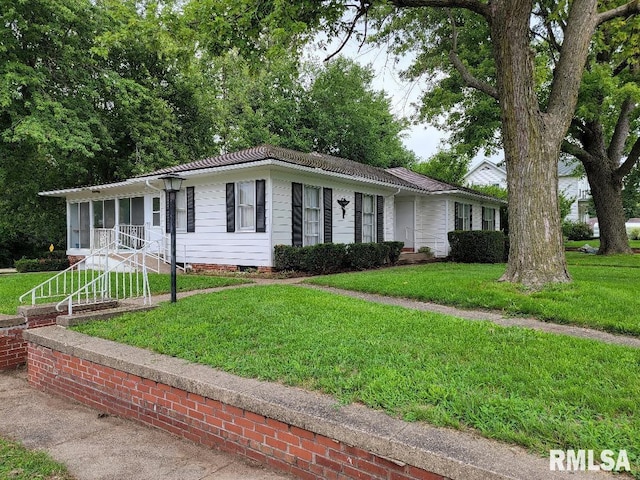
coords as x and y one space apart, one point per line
477 246
41 264
326 258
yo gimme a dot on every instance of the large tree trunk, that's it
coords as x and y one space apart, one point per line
532 147
606 190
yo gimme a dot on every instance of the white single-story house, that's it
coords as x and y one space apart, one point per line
234 208
571 184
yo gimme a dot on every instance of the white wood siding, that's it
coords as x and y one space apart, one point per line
487 175
211 243
435 217
343 228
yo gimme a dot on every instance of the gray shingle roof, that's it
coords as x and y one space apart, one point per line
320 161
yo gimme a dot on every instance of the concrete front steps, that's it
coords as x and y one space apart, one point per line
411 258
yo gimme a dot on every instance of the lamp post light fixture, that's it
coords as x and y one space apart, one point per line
172 185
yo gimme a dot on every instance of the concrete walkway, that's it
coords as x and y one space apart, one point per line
97 447
467 314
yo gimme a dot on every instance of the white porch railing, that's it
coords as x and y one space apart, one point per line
124 236
95 279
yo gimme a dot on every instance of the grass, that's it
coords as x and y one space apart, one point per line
14 285
538 390
18 463
595 242
605 293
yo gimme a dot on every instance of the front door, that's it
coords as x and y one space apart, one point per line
405 222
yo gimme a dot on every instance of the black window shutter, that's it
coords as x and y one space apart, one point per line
191 209
358 219
456 216
380 219
167 227
261 221
296 214
327 198
231 207
470 217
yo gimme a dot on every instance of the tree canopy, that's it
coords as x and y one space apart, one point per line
96 91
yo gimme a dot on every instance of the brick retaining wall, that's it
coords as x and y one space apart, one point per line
13 347
303 433
202 420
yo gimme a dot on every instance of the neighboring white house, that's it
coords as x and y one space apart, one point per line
570 184
233 209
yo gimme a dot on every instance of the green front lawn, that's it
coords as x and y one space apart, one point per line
605 293
534 389
14 285
18 463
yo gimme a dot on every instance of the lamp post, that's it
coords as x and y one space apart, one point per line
172 185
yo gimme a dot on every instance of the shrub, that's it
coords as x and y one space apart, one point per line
323 258
287 257
363 256
577 230
477 246
326 258
634 234
395 249
41 264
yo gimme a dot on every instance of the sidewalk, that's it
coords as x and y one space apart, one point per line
109 448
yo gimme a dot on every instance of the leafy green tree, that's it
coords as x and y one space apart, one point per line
446 165
603 129
344 116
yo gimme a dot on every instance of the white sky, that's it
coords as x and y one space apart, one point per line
423 139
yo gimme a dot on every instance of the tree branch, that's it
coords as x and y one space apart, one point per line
466 75
568 74
363 8
577 152
625 10
472 5
621 131
631 160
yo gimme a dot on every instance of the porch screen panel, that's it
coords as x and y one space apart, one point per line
380 219
261 221
296 214
98 214
109 213
85 225
358 219
124 210
327 197
137 211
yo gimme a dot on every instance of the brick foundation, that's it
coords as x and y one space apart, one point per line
212 267
209 422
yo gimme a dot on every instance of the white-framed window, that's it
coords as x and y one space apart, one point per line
155 207
181 211
368 219
312 215
488 218
79 225
463 216
246 206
